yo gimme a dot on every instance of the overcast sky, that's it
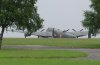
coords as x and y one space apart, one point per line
63 14
60 14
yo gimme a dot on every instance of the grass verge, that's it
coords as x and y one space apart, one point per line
47 62
69 43
41 54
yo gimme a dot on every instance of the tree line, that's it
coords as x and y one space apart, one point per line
92 18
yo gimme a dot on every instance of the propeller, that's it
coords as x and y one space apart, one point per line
42 30
74 30
81 30
66 30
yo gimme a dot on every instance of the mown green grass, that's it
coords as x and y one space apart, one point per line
40 57
47 62
69 43
47 57
41 54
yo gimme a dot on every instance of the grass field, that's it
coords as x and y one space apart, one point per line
69 43
38 54
47 62
40 57
47 57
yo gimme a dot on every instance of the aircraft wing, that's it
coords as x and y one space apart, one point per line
80 33
44 34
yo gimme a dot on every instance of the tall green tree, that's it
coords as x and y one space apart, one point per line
89 22
21 14
95 5
92 18
96 8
